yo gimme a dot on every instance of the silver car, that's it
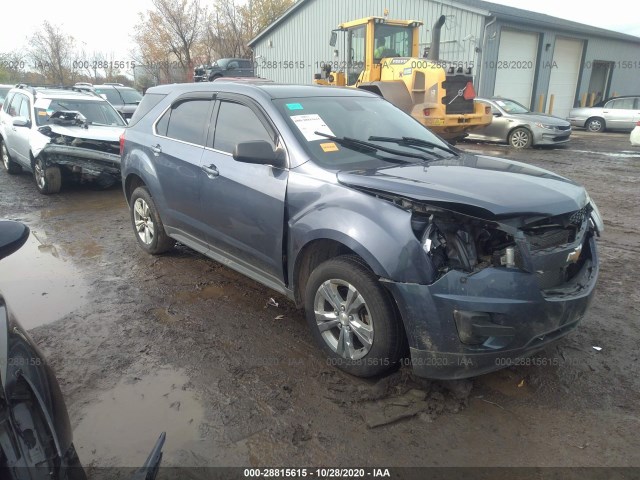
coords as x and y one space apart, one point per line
516 125
620 113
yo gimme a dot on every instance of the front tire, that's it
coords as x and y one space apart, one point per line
11 167
520 138
595 125
147 224
352 318
48 177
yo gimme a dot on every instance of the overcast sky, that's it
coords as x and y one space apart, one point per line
107 25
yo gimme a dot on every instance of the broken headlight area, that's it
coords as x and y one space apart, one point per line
457 242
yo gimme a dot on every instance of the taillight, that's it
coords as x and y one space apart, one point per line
487 110
121 143
426 112
638 124
469 92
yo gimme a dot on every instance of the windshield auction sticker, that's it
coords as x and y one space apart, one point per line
308 124
329 147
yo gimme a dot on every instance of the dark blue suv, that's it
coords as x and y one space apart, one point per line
398 245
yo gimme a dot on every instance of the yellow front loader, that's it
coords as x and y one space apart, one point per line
382 56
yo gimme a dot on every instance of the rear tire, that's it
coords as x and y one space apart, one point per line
147 224
11 167
595 125
520 138
352 318
48 177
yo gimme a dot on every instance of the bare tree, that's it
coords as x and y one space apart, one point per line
51 53
172 27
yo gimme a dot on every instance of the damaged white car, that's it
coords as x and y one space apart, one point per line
60 135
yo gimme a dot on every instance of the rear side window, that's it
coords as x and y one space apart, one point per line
245 64
149 101
238 123
188 119
622 104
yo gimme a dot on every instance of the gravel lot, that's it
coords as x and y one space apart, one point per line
179 343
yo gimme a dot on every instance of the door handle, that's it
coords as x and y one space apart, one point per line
157 150
210 170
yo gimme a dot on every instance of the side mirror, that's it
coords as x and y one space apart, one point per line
334 39
497 114
12 236
21 122
259 153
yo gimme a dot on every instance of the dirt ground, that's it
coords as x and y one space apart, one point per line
182 344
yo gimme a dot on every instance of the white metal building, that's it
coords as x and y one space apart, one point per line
515 53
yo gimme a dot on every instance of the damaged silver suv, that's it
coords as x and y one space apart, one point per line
59 133
399 246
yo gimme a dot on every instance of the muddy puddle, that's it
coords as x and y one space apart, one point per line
39 284
121 426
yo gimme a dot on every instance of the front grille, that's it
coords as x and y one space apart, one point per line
580 216
551 241
548 239
563 127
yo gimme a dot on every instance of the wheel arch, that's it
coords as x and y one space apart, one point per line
523 126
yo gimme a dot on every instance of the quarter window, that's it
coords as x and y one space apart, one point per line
14 107
238 123
186 121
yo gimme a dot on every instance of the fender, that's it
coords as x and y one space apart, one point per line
344 215
137 162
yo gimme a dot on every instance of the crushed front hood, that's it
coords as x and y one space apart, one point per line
94 132
484 187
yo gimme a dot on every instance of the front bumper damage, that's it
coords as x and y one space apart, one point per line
469 323
91 162
80 155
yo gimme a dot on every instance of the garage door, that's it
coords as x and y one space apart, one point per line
516 66
567 56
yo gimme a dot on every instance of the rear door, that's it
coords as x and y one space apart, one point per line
177 146
244 204
619 113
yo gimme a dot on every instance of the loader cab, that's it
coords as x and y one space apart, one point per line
367 41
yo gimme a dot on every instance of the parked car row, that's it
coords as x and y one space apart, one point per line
124 99
395 243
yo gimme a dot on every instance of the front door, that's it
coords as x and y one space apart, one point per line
243 205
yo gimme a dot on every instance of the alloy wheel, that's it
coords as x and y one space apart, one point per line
520 139
143 222
343 319
38 172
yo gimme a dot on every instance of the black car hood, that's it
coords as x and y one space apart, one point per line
485 187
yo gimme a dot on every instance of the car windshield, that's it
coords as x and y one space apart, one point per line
359 118
221 63
112 95
96 112
511 106
129 95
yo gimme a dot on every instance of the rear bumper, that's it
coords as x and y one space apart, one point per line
577 122
525 317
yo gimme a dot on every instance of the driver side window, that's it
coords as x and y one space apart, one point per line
238 123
